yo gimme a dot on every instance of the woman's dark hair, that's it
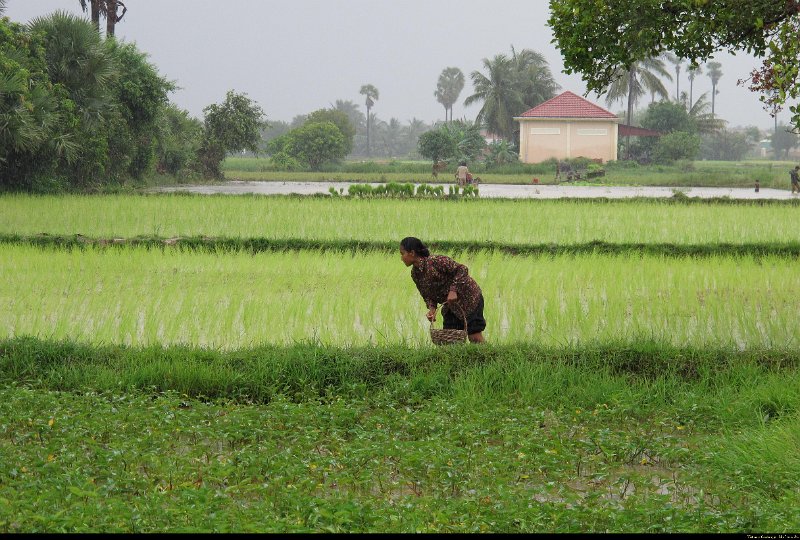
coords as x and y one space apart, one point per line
409 243
464 163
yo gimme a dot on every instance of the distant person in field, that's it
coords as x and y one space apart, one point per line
793 174
441 280
462 174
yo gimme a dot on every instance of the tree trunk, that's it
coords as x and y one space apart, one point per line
629 113
111 17
713 98
368 122
95 7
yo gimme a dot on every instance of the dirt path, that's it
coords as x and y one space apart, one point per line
238 187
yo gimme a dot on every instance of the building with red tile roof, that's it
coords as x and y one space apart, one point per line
567 126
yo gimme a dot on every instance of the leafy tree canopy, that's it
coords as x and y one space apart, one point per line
598 38
667 116
235 124
340 120
315 144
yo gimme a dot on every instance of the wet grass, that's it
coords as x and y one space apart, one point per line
453 440
510 222
135 295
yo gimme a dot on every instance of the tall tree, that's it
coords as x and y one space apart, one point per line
714 72
95 7
634 82
79 59
693 71
113 15
704 121
371 94
340 120
110 9
448 88
534 81
501 98
677 61
597 38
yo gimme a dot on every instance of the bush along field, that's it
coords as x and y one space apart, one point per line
256 364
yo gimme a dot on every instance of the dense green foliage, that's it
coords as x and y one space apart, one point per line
522 439
452 142
510 86
340 120
232 126
81 111
597 39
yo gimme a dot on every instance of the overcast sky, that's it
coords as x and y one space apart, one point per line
296 56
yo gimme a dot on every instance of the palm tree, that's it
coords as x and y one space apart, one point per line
693 72
2 6
372 94
448 88
501 98
112 16
703 120
635 81
77 57
632 83
96 7
678 62
534 80
714 71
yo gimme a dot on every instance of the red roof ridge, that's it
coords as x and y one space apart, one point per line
567 105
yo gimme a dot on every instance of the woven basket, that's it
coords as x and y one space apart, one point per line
448 336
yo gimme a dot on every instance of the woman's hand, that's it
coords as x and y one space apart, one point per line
452 296
431 314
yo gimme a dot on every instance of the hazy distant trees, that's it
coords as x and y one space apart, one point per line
354 114
448 88
510 86
784 140
371 94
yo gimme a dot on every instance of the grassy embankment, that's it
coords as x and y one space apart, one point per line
694 174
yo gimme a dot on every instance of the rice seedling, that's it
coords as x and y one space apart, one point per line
315 218
147 296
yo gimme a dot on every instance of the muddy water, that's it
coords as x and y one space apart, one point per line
516 191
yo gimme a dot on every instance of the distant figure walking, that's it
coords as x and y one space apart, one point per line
462 174
441 280
795 179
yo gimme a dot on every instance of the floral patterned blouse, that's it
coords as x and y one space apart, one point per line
437 275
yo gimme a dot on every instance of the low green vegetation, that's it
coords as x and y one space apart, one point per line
465 221
770 174
388 440
142 296
263 364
